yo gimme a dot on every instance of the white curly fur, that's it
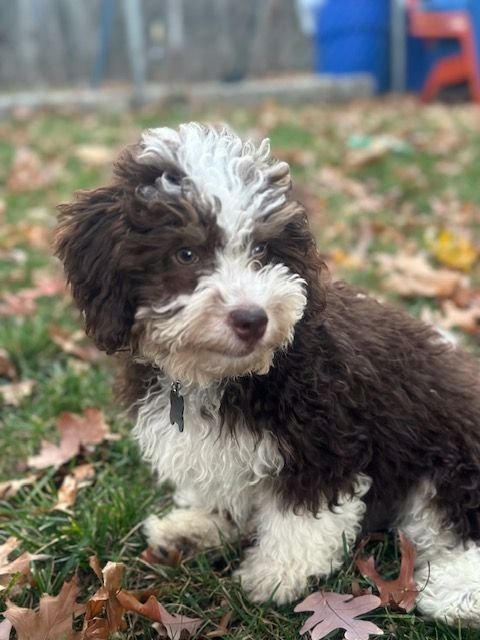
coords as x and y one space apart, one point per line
447 573
215 472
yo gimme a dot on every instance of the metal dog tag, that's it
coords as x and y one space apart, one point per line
177 404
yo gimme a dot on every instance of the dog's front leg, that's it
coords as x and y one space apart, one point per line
291 547
188 528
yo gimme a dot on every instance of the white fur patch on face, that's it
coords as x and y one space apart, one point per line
197 344
221 166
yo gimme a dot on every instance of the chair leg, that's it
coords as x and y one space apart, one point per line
451 70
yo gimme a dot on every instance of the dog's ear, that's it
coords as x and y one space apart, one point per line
88 240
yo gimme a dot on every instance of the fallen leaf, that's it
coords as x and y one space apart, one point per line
10 488
453 317
411 275
35 235
75 431
95 155
67 494
20 567
5 628
6 549
453 250
29 172
104 613
68 342
175 624
338 611
222 627
14 304
7 369
52 621
23 303
401 592
15 392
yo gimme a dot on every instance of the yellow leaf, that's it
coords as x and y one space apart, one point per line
453 251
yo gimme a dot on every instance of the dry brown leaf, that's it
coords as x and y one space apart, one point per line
15 392
95 155
453 317
104 613
175 624
53 620
7 369
20 567
68 342
29 172
411 275
14 304
10 488
23 303
6 549
35 235
402 592
75 431
67 494
222 627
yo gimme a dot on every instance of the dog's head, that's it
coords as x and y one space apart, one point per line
194 257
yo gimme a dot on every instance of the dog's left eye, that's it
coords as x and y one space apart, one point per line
259 250
186 256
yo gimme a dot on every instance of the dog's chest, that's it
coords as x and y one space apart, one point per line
222 470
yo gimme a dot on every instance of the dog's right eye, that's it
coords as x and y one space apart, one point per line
186 256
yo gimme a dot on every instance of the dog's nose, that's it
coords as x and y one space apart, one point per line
249 323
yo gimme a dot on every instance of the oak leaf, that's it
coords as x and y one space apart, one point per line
52 621
401 592
338 611
174 624
75 431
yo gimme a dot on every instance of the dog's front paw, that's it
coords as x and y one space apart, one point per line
183 532
263 579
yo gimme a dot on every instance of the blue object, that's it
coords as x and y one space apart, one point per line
352 36
445 5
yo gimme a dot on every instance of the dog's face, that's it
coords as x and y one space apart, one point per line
194 258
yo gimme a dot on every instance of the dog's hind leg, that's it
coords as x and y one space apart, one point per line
449 585
447 571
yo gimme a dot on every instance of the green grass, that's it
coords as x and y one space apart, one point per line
105 519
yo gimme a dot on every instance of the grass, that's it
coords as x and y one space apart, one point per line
105 520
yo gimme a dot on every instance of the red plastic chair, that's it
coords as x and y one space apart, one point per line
453 69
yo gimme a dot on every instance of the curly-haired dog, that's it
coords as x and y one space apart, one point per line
309 409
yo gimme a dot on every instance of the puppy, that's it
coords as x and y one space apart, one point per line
271 397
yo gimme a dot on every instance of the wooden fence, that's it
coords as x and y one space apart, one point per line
58 43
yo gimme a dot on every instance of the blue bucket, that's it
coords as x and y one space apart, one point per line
353 36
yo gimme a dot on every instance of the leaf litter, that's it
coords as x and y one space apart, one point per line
76 432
